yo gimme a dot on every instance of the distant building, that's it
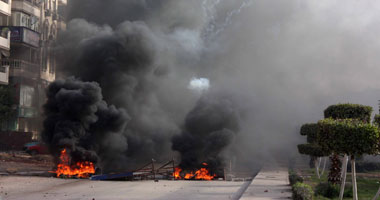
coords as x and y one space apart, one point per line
33 27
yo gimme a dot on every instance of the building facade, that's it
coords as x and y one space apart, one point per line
33 26
5 13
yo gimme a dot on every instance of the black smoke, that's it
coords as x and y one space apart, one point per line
124 63
143 55
79 120
209 128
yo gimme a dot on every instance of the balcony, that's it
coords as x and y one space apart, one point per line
4 75
23 35
31 7
5 39
5 7
21 68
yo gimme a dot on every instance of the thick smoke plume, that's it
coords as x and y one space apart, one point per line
209 128
139 66
77 116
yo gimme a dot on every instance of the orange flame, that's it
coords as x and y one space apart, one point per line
177 173
79 169
202 174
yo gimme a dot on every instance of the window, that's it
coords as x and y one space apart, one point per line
26 95
22 19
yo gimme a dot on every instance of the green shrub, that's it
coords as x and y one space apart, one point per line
312 150
294 178
348 136
349 111
348 191
311 130
302 191
327 190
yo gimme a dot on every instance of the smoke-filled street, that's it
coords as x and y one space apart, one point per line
189 99
34 188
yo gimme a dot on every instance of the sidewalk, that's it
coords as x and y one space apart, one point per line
269 184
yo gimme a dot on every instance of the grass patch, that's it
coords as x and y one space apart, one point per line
367 186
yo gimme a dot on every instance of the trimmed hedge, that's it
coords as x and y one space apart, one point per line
327 190
309 129
332 190
302 191
349 111
348 136
294 178
312 150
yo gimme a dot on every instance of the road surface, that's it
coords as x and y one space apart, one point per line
39 188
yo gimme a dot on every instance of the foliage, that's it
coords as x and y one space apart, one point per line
349 111
327 190
294 178
376 120
348 136
311 131
348 191
332 191
308 129
302 191
367 186
5 103
312 150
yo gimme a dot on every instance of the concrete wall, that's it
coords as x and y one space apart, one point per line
14 140
27 7
4 76
5 42
5 8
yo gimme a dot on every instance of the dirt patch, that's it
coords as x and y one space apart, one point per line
13 162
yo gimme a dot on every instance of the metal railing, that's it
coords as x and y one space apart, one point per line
36 3
20 64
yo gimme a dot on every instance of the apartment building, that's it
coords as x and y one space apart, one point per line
5 13
33 27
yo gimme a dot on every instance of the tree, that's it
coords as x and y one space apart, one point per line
376 121
5 103
311 148
347 131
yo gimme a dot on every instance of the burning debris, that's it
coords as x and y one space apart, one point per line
79 169
123 62
209 128
201 174
77 123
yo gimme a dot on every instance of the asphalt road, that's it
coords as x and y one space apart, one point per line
39 188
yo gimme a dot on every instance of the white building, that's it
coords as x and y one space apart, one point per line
32 27
5 13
